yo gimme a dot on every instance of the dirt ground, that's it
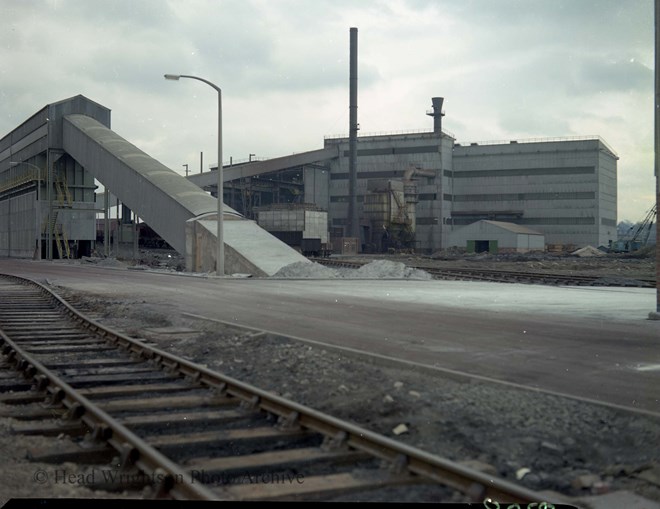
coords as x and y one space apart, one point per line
639 264
543 442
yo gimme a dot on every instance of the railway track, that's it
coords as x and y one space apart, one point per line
143 417
507 276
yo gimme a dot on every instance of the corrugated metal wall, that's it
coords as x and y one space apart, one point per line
18 225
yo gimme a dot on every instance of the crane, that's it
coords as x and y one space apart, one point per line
638 234
641 234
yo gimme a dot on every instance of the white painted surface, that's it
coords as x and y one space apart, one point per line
257 245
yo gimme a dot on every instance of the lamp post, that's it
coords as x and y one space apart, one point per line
16 163
220 255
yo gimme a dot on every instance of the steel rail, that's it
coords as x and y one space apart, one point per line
130 447
337 432
495 275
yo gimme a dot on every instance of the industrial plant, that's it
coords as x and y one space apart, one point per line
421 191
417 191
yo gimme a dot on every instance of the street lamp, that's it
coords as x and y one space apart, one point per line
16 163
220 255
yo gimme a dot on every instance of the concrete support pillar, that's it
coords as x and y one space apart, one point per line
106 224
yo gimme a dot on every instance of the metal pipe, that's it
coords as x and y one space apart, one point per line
115 237
49 192
135 236
412 171
353 226
106 222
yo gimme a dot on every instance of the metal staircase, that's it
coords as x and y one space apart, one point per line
64 200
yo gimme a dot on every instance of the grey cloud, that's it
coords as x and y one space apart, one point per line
121 14
596 75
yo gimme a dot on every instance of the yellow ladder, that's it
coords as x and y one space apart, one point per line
62 189
61 239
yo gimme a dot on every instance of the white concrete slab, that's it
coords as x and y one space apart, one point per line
608 303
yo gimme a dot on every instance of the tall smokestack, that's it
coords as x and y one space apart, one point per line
437 113
353 226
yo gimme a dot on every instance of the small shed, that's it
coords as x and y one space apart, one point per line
497 237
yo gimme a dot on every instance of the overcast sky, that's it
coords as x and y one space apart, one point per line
508 69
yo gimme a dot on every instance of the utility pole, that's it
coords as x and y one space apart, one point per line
656 314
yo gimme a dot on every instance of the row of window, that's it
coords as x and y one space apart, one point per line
429 149
521 172
518 172
546 221
360 198
524 196
489 197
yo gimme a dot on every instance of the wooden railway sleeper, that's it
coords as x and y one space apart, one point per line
55 397
10 355
289 422
170 367
100 434
219 389
337 442
74 412
399 465
128 455
251 403
164 483
22 366
476 492
41 382
194 378
30 371
137 355
157 361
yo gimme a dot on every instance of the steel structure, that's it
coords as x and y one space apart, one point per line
160 196
72 141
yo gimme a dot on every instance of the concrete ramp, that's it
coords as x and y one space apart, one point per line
178 210
248 247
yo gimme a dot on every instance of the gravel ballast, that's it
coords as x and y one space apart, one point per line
542 441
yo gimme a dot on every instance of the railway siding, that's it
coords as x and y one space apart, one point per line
108 407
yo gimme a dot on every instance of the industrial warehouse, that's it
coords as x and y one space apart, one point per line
416 191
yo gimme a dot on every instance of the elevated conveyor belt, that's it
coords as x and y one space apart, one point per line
169 203
268 166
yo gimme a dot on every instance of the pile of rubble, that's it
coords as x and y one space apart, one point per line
377 269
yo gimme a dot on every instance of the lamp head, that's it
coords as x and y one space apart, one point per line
172 76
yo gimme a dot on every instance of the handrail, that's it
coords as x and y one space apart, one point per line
389 133
542 140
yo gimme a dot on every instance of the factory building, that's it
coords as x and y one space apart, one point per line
496 237
413 190
563 188
30 195
417 162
